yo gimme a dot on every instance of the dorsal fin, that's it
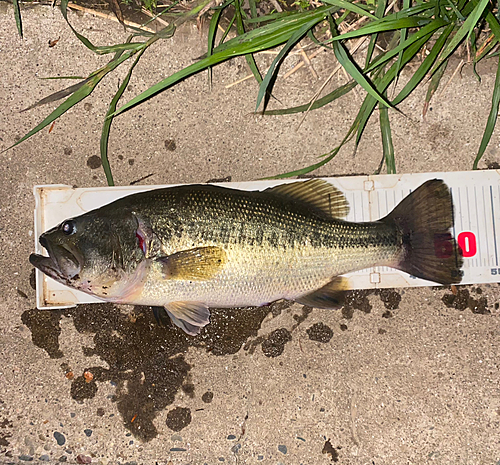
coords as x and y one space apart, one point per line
316 193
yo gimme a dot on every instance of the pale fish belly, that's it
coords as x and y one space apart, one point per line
255 276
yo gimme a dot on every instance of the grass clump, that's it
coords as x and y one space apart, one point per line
432 29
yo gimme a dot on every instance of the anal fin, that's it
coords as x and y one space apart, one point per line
191 317
331 295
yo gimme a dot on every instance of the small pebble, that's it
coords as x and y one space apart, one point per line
63 458
231 436
260 457
83 459
44 458
61 440
88 432
41 437
176 437
236 448
26 458
72 415
47 447
177 449
222 459
282 449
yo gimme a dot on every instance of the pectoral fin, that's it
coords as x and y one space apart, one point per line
197 264
330 296
189 316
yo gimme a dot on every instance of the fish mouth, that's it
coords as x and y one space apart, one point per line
62 264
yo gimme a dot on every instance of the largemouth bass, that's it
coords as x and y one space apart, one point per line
193 247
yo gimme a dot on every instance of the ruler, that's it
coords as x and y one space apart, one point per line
476 198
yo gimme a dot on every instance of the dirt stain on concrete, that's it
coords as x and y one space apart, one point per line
331 451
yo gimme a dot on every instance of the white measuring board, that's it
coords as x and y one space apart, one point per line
476 197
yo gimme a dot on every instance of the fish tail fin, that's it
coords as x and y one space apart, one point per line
425 218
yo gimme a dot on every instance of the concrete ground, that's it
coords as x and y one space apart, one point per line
395 377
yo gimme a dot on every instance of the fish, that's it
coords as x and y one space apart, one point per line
190 248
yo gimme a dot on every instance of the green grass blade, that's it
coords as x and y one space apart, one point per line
379 13
267 36
108 121
270 17
494 24
387 146
352 68
404 34
381 83
103 49
492 119
241 30
321 102
425 66
17 16
433 86
212 33
422 32
353 7
464 31
62 77
80 94
266 84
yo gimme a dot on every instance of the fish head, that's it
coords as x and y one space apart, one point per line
96 253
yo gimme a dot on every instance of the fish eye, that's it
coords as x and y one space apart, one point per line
68 227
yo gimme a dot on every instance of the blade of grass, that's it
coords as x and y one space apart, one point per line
379 13
265 37
352 68
337 93
425 66
433 86
241 30
17 16
359 9
464 31
108 121
267 83
101 50
492 119
212 33
404 34
424 31
84 91
387 145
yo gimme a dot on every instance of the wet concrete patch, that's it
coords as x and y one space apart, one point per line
320 332
358 299
461 299
274 345
178 418
146 361
94 162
